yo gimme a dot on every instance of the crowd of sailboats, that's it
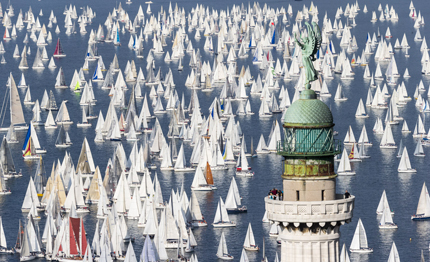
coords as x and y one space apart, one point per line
211 139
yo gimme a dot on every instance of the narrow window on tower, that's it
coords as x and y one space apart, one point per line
297 195
322 194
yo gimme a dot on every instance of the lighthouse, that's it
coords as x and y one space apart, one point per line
311 211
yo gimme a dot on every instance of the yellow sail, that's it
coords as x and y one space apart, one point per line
77 87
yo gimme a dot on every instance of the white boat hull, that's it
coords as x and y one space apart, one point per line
350 173
364 250
186 169
224 224
388 146
388 226
251 248
27 258
62 146
226 257
407 171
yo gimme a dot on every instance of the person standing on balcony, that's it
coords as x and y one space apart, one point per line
347 194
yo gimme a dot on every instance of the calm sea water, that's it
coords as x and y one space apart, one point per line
373 175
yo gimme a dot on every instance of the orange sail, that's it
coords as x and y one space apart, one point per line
208 172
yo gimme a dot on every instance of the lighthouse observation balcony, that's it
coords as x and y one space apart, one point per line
338 210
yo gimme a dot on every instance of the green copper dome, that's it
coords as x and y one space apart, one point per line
308 111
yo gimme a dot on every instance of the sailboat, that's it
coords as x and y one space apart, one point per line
386 220
200 182
3 243
26 254
419 130
63 115
249 243
28 150
419 150
345 165
233 200
361 110
73 241
242 168
364 139
222 252
387 140
359 241
59 50
16 112
423 208
63 139
50 122
6 161
339 94
344 257
394 254
84 122
221 216
354 155
180 165
27 98
197 219
349 137
382 203
405 163
262 147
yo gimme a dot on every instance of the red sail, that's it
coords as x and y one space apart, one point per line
74 236
57 48
84 238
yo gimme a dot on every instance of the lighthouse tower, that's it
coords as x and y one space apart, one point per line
311 212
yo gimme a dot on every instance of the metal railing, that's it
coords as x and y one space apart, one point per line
309 148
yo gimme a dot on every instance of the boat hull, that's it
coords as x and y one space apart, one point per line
237 211
251 248
420 217
407 171
223 224
346 173
364 250
226 257
186 169
199 224
388 226
27 258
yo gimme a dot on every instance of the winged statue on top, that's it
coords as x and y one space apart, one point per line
310 46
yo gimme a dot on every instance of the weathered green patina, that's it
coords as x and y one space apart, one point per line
310 46
308 146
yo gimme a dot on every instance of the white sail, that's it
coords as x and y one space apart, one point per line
359 241
249 238
16 113
344 257
405 163
382 203
423 207
394 254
